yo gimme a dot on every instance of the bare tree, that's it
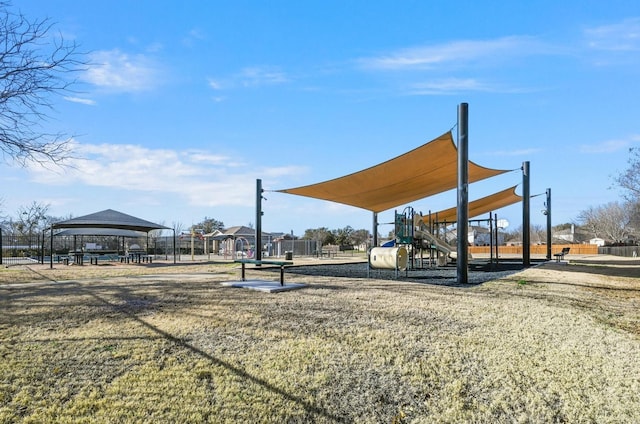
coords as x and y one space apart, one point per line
33 66
537 234
630 178
611 221
32 218
361 236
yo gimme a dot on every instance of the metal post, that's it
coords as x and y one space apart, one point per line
375 229
462 260
258 247
42 247
548 213
491 239
192 243
526 225
51 242
497 239
174 245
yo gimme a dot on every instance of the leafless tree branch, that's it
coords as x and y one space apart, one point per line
33 67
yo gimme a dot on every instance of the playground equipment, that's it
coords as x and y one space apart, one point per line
395 258
412 231
412 239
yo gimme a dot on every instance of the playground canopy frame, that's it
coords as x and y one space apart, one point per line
477 207
422 172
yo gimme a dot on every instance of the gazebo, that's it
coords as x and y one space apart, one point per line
107 222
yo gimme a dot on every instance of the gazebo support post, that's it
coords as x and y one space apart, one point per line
51 242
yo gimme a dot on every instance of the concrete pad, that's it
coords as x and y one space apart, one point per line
264 286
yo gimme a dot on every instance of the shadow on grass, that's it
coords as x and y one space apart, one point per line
310 408
585 286
185 264
621 269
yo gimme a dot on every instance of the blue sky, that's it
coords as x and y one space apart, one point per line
188 103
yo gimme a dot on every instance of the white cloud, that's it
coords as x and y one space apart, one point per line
453 53
198 178
449 86
80 100
622 37
119 71
203 157
214 84
254 76
249 77
610 146
193 36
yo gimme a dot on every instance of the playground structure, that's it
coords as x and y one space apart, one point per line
418 234
413 237
408 178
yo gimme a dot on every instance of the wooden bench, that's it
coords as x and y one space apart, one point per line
281 264
559 256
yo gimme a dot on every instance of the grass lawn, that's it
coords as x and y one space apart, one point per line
555 343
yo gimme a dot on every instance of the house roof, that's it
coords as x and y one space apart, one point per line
240 230
110 218
427 170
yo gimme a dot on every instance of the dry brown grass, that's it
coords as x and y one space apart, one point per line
550 344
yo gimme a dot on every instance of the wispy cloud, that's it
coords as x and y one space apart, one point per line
449 86
118 71
257 75
197 177
516 152
610 146
621 37
80 100
193 38
254 76
464 51
215 84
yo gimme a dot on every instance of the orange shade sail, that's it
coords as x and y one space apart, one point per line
478 207
427 170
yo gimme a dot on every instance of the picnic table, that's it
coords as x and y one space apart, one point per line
136 257
256 262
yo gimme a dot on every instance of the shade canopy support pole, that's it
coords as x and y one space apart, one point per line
526 215
462 260
258 247
375 230
547 212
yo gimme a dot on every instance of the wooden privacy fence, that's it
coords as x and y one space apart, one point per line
539 249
